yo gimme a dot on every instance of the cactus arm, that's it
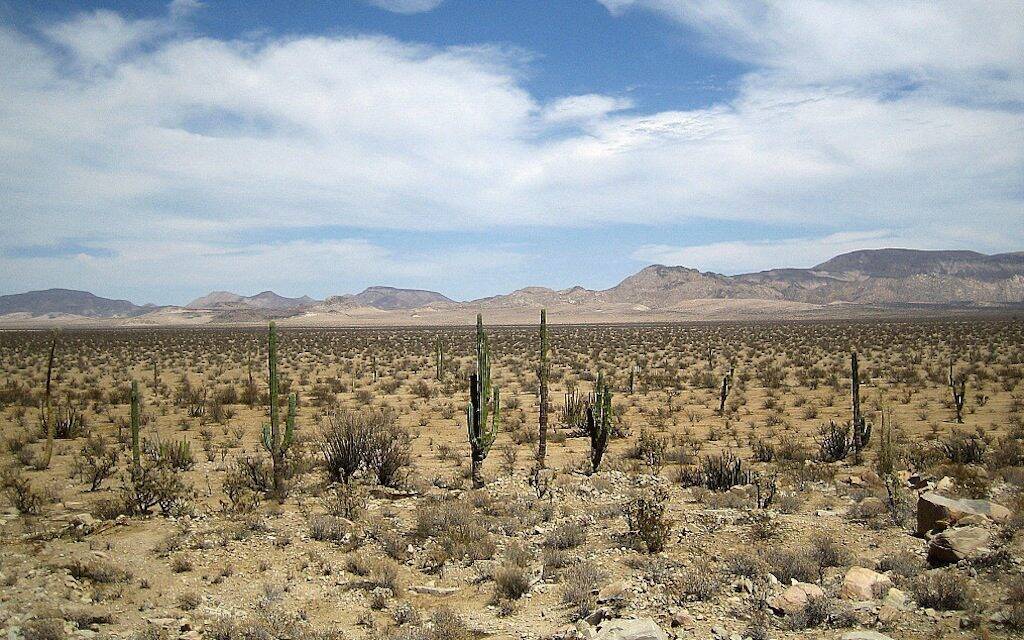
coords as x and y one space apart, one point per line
135 420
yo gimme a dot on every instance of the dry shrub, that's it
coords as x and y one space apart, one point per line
944 590
579 583
646 519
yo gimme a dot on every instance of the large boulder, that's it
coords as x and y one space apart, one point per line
953 545
631 629
937 512
794 599
862 583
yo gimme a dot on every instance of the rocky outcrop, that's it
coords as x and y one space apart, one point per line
795 598
862 583
953 545
937 512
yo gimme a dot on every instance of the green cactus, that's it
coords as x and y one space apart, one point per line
276 443
542 376
46 410
439 358
861 427
136 419
479 408
599 422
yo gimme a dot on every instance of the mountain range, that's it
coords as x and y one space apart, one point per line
858 283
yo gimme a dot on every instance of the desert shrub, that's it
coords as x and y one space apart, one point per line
156 484
903 565
746 564
827 552
448 625
789 564
245 482
98 571
821 612
945 590
578 583
175 454
698 583
764 451
47 626
19 490
96 462
345 501
388 454
834 442
327 528
961 447
189 600
454 530
646 519
511 582
567 535
649 449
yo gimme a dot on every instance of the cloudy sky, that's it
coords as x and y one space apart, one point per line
158 151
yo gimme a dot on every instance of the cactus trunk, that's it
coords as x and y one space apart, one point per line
481 395
542 375
136 419
47 410
274 441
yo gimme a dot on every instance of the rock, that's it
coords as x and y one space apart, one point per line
599 614
953 545
862 583
431 590
889 615
625 629
938 512
682 618
865 635
895 598
611 592
794 598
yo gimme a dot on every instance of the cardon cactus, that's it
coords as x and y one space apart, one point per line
276 443
484 402
542 377
136 419
599 422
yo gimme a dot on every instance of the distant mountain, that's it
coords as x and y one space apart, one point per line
388 298
883 276
68 301
268 300
864 282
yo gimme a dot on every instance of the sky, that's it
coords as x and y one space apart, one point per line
157 151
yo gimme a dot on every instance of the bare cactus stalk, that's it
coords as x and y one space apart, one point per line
542 375
46 410
724 395
439 363
599 422
861 427
136 419
959 393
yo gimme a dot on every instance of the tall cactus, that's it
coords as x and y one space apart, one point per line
861 427
136 419
542 376
46 410
599 422
481 397
724 395
276 443
439 358
959 393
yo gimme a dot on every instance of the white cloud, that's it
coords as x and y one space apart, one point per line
583 108
406 6
100 37
200 137
743 257
930 41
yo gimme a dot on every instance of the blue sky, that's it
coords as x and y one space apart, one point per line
157 151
